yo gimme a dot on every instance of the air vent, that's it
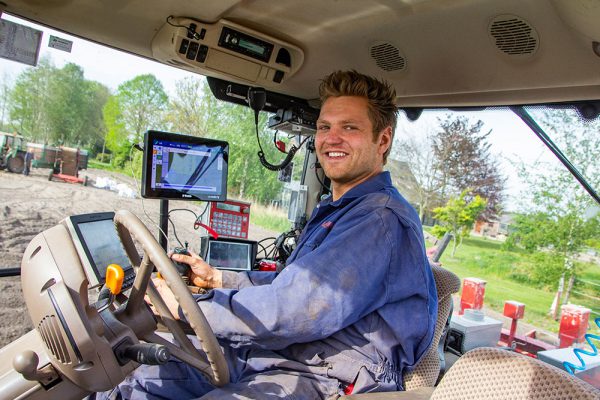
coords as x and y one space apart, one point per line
177 63
388 57
514 36
49 329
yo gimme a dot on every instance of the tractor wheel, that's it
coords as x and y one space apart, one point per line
16 164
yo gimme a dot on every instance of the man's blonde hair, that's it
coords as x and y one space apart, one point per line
381 97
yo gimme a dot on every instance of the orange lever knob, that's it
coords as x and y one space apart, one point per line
114 278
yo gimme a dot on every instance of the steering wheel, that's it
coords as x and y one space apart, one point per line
212 363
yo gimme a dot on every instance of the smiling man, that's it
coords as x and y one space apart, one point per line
355 307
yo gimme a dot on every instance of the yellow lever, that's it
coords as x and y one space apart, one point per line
114 278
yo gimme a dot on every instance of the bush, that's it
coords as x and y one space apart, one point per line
119 160
439 231
103 158
546 269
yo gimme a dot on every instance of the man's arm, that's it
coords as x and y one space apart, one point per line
328 289
243 279
205 276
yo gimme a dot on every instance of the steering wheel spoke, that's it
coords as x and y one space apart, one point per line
170 321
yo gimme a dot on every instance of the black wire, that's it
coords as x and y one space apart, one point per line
275 141
286 161
191 31
182 209
269 238
199 218
263 250
205 208
175 231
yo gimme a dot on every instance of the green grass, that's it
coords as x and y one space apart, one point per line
270 218
105 166
485 259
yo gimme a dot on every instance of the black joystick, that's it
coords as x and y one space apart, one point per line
182 268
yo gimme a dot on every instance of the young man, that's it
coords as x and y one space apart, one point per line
355 306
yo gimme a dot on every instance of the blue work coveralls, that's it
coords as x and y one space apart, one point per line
356 304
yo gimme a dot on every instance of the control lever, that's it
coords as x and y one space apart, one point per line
112 286
142 353
182 268
26 363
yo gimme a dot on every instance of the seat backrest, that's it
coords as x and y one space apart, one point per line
427 370
494 374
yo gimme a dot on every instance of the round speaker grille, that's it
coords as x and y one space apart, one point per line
387 57
514 36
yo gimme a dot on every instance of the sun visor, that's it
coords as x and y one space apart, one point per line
226 50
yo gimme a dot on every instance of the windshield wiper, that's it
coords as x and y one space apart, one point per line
530 122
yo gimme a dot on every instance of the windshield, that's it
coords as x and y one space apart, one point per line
527 226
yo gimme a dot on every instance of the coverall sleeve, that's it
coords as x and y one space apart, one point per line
323 291
239 280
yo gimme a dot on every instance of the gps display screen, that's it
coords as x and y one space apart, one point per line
184 167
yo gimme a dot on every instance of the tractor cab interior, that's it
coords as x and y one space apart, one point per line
518 56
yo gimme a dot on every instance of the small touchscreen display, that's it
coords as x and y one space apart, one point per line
101 240
231 254
97 242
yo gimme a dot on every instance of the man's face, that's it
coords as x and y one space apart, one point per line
345 143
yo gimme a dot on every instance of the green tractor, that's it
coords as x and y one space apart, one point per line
12 152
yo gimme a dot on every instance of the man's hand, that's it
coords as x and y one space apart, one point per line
430 253
167 296
202 274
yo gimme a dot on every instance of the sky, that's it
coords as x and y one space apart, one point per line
102 64
511 140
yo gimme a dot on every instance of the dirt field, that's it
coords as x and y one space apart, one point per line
29 205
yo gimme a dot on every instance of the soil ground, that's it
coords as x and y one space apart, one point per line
32 204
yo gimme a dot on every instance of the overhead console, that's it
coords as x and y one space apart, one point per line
226 49
291 114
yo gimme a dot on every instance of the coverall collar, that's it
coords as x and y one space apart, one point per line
371 185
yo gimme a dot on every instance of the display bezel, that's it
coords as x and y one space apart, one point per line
148 192
94 272
251 246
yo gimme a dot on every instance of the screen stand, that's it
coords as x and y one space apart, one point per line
164 224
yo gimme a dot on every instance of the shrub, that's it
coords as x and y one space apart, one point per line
103 158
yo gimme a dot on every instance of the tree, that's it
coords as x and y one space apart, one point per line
247 177
190 109
142 101
58 106
29 100
458 217
463 160
558 214
116 139
194 110
94 129
74 107
418 153
5 88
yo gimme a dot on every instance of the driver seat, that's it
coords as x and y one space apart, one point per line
427 370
